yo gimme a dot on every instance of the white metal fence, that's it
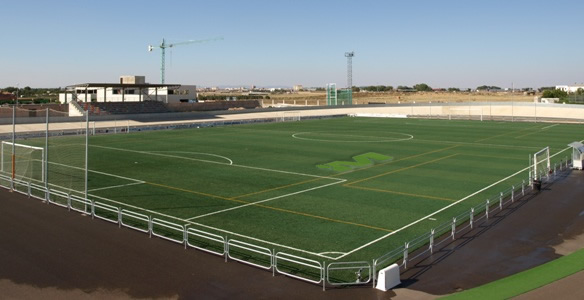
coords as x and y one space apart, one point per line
278 262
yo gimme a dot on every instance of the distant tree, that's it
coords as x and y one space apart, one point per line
554 94
580 91
377 88
403 87
488 88
356 89
451 89
422 87
10 89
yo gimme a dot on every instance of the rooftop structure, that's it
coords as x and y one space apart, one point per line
129 89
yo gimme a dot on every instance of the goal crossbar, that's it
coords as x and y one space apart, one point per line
467 110
7 146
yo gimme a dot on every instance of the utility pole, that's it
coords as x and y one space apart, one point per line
349 56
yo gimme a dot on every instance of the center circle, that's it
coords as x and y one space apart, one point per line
351 137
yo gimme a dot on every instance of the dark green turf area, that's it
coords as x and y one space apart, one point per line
210 176
526 281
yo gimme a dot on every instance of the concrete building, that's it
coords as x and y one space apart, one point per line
297 87
570 88
129 89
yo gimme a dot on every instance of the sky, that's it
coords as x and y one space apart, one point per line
444 43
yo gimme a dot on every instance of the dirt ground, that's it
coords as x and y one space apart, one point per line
311 98
48 252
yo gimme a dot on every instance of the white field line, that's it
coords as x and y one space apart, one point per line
208 154
332 252
194 223
337 181
266 200
97 172
209 227
378 139
439 211
116 186
167 155
219 163
550 126
476 144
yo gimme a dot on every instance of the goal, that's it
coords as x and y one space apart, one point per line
540 165
26 163
470 113
290 116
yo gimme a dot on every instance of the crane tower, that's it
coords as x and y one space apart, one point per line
165 45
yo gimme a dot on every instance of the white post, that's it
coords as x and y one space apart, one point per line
405 263
46 156
432 240
535 106
86 151
453 227
13 146
471 217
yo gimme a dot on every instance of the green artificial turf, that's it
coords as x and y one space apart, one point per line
265 184
526 281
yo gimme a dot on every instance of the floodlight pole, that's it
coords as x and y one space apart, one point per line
349 56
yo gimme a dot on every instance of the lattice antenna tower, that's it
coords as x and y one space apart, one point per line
349 56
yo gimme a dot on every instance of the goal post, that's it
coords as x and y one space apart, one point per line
540 166
290 116
465 112
25 163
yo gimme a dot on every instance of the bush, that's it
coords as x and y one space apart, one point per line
554 94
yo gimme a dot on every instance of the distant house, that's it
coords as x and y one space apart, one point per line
570 88
4 96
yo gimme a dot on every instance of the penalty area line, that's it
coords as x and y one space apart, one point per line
266 200
440 210
116 186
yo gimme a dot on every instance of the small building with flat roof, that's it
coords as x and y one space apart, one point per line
129 89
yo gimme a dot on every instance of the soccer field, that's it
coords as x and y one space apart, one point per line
341 189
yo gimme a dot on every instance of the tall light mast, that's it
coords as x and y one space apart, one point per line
349 56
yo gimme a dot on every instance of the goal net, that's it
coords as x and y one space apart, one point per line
465 113
290 116
540 166
22 162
